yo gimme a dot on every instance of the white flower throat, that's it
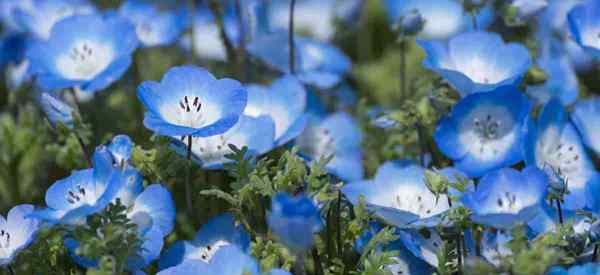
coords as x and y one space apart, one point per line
189 112
85 60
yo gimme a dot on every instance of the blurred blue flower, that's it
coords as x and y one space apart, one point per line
316 63
294 220
120 148
528 8
483 131
56 111
84 51
12 48
443 18
561 83
229 260
17 231
206 35
398 194
425 244
583 269
506 197
219 232
584 21
38 21
155 26
83 193
8 13
477 61
284 102
190 101
554 146
335 135
585 117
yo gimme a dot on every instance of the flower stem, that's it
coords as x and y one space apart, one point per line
192 11
595 253
317 260
188 187
215 7
84 149
241 50
291 37
10 269
459 253
560 214
402 69
339 226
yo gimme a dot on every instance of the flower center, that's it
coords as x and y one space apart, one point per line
75 195
4 239
318 142
207 252
85 60
507 201
189 111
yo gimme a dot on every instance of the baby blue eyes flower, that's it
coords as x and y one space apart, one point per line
83 51
229 260
477 61
190 101
398 194
284 102
39 20
528 8
561 83
505 198
336 135
585 117
207 38
56 110
584 269
584 21
483 131
218 233
17 231
294 220
155 27
120 148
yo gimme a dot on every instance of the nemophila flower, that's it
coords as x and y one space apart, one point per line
83 193
554 146
528 8
337 136
155 26
483 131
442 18
206 34
120 148
284 102
17 231
584 22
494 245
85 51
56 110
562 81
12 46
229 260
257 134
316 63
7 13
190 101
585 117
548 219
398 194
583 269
424 244
477 61
294 220
506 197
39 20
219 232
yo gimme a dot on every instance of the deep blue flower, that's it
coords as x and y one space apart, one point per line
12 48
155 27
554 146
477 61
443 18
120 148
584 21
219 232
17 231
316 63
84 51
398 194
562 81
506 197
483 131
294 220
583 269
38 21
585 117
7 13
190 101
229 260
83 193
335 135
56 110
284 102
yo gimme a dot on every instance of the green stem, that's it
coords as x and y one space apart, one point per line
82 144
291 38
317 261
403 69
339 226
10 269
215 7
188 187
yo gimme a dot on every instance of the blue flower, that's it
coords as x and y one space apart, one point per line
39 21
120 148
155 27
506 197
257 134
284 102
294 220
443 18
423 246
316 63
84 51
17 231
398 194
583 269
477 61
56 110
83 193
206 34
562 81
528 8
229 260
7 13
219 232
584 116
335 135
483 131
190 101
554 146
584 21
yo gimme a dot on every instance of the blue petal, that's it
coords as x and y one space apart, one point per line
156 201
